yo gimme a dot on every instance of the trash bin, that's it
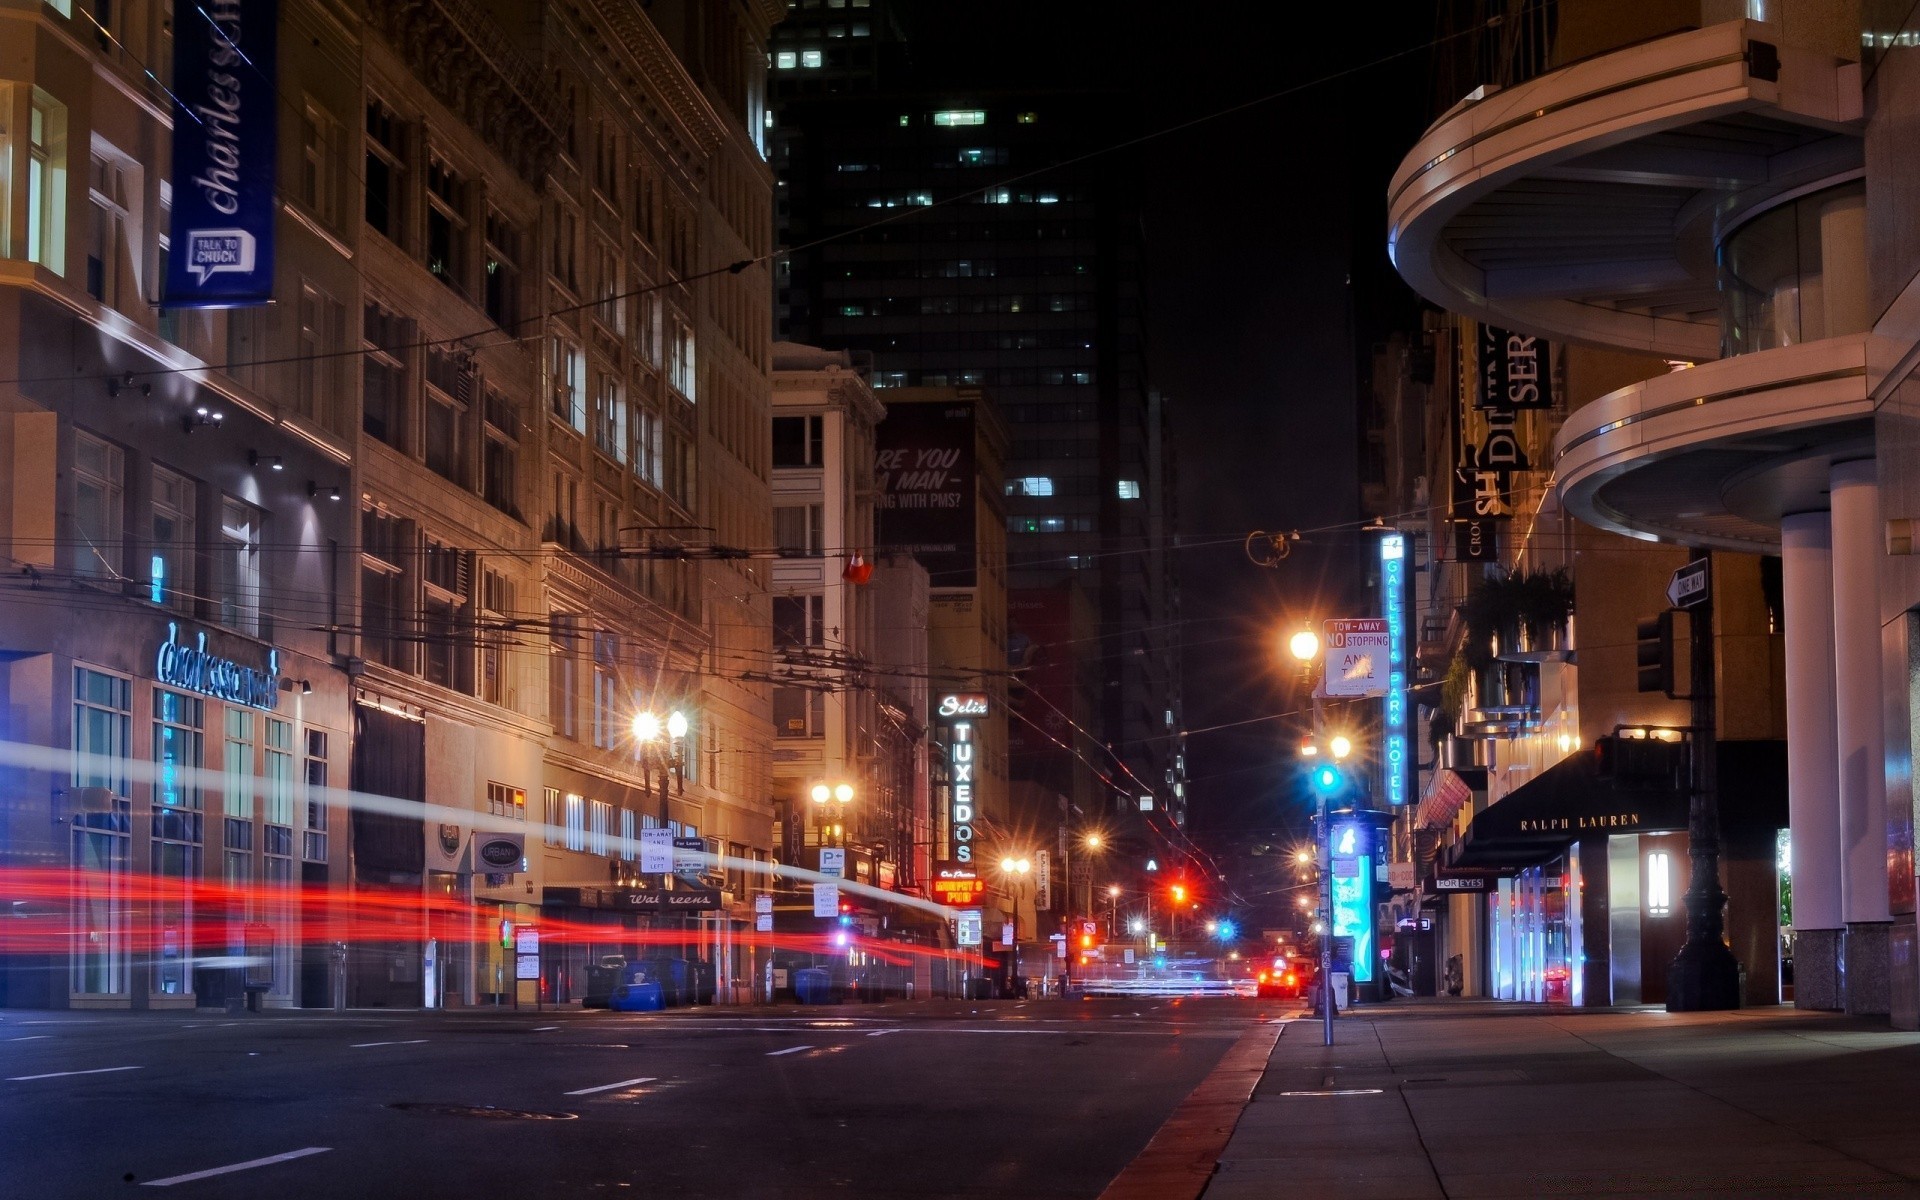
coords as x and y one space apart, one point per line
978 988
602 978
638 991
813 985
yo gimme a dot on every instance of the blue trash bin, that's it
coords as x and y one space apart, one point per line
637 991
813 985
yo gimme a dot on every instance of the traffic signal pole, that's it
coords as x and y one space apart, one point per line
1324 832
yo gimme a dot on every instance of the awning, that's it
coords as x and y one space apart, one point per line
1571 801
1449 790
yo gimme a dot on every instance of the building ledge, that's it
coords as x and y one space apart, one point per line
1714 454
1581 205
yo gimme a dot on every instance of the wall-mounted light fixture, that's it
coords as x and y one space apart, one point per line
315 490
202 416
125 383
273 461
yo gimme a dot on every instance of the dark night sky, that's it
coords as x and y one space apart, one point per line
1268 278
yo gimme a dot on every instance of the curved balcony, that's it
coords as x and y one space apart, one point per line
1713 455
1586 204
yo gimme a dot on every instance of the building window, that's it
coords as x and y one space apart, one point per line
277 813
649 456
799 712
314 843
599 821
680 360
177 737
610 418
550 823
500 453
799 621
384 170
320 163
386 616
1030 485
496 599
566 248
239 565
447 225
810 59
504 801
99 505
563 678
503 271
385 335
445 636
629 840
170 576
102 730
449 391
798 441
236 772
317 374
569 368
178 724
786 60
576 822
113 235
799 529
47 183
960 116
1129 489
1027 118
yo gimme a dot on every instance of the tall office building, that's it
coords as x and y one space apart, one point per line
967 239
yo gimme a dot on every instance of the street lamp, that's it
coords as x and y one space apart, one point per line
1012 871
651 748
1113 910
1305 648
830 809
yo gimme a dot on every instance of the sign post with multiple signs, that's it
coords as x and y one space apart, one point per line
1355 658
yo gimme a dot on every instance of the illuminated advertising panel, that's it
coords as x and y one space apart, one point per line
1352 903
958 712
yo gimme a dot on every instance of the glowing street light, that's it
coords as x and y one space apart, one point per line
1304 645
1341 745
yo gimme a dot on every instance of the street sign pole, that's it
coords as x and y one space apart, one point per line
1704 976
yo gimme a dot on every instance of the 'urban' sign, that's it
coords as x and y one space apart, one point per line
193 669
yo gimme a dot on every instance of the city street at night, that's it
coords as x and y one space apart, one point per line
1047 1099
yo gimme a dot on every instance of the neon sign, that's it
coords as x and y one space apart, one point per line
957 713
1393 582
1352 909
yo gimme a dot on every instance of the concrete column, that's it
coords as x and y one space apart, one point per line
1813 765
1861 739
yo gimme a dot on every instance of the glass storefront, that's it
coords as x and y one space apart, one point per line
1533 941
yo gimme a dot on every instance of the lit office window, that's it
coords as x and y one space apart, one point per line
1659 884
960 116
1129 489
1028 118
1030 485
810 59
785 60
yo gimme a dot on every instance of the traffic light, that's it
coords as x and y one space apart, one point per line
1654 652
1327 780
1179 893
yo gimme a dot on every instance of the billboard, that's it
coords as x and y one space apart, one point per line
225 115
925 488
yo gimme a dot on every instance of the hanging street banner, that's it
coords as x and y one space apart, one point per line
1516 371
224 120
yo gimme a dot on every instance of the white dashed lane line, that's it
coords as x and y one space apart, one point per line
607 1087
788 1050
409 1042
59 1074
249 1165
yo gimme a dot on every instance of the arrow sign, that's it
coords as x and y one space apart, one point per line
1690 585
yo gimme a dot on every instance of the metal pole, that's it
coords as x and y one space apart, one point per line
1704 975
1325 864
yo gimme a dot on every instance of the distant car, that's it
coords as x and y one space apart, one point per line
1281 981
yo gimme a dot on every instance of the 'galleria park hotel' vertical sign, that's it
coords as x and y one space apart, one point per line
957 713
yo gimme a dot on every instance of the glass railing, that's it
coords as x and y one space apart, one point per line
1796 273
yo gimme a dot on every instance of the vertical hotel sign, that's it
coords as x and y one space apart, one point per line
1393 587
224 120
958 712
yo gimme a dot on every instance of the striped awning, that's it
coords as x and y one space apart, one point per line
1449 790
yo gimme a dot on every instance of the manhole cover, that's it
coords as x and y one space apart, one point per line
483 1110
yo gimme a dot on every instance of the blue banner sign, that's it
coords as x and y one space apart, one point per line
224 119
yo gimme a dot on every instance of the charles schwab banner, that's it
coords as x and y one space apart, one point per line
221 254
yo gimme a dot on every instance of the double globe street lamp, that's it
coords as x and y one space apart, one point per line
1014 870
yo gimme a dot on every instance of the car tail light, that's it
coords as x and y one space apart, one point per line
1291 979
1263 977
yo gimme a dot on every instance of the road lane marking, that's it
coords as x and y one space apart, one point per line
249 1165
545 1028
882 1032
788 1050
58 1074
607 1087
408 1042
32 1037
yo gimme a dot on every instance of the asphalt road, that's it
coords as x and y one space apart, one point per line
1047 1098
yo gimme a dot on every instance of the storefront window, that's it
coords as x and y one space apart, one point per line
178 742
102 732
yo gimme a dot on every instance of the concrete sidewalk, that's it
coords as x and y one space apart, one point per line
1463 1098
